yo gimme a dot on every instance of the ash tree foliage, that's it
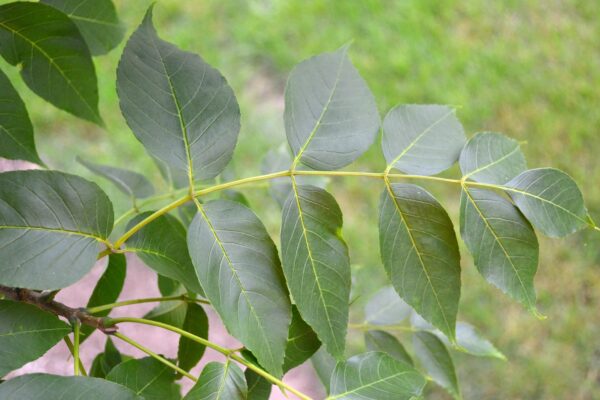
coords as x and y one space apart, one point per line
286 299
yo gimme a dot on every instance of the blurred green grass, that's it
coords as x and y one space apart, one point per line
526 68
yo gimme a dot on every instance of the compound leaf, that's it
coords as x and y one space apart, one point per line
131 183
147 377
374 376
239 268
190 352
502 242
52 226
16 131
316 263
492 158
179 107
420 253
219 381
434 356
422 139
330 114
550 199
26 333
107 289
53 57
162 246
97 21
387 343
45 386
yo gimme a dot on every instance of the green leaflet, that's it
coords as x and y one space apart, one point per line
316 263
52 226
97 21
239 268
26 333
387 343
104 362
54 59
436 360
169 312
386 308
302 342
323 364
179 107
502 241
190 352
16 131
129 182
162 246
107 290
375 376
420 253
219 381
45 386
468 339
422 139
330 114
492 158
551 200
258 387
147 377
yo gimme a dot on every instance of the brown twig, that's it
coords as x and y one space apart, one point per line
46 302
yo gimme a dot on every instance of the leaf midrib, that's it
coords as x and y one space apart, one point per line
312 261
51 61
337 396
497 239
495 162
56 230
237 278
414 244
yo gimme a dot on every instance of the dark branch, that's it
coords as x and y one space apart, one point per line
46 302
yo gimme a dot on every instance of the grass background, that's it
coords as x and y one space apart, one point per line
529 69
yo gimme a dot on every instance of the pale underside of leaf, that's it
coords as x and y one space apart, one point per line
330 114
492 158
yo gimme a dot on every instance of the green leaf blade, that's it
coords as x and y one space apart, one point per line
178 106
107 289
52 226
147 377
26 333
422 139
503 243
162 245
45 386
97 22
190 352
316 263
386 308
387 343
373 376
16 131
131 183
492 158
434 356
302 342
238 265
55 61
330 114
420 253
550 200
219 381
